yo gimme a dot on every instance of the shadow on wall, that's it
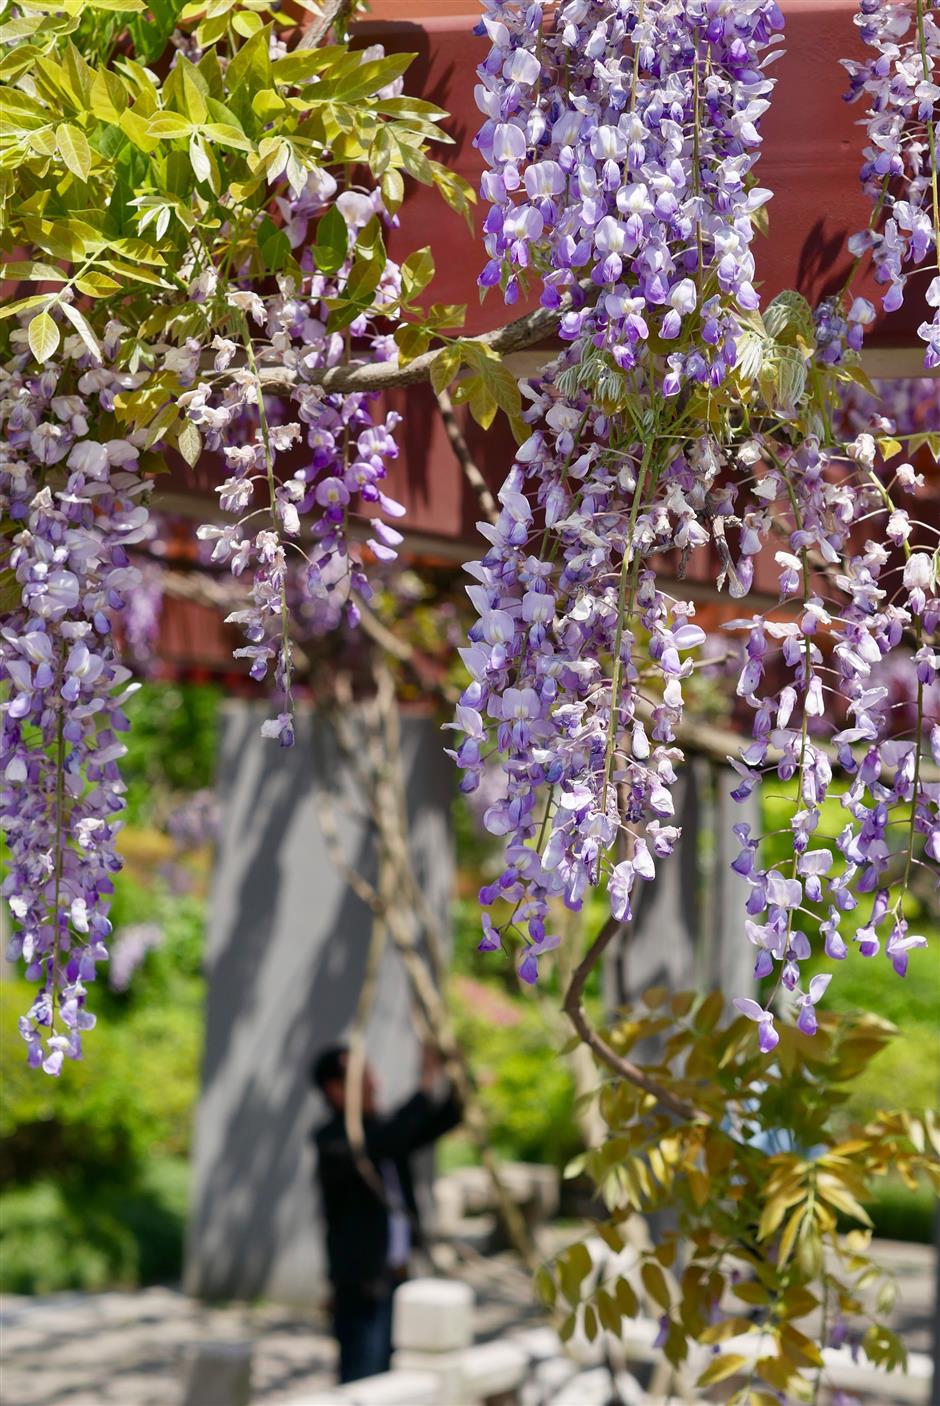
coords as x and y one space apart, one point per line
287 950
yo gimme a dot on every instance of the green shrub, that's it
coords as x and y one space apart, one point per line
93 1163
171 745
55 1236
900 1213
132 1097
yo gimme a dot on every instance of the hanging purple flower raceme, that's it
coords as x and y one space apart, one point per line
621 172
899 85
589 760
76 506
128 951
835 647
303 563
621 141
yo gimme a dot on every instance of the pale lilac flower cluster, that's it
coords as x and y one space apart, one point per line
312 476
128 950
75 504
140 623
840 331
908 405
589 750
621 138
899 85
196 821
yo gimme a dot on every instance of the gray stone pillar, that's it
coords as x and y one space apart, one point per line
688 928
286 951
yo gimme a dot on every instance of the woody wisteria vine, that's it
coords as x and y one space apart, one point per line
681 421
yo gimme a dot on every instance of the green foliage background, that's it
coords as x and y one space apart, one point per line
93 1166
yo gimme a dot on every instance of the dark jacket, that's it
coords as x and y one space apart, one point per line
355 1212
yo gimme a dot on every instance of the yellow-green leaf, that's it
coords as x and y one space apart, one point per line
444 368
108 98
169 125
777 1207
189 443
627 1301
889 446
80 323
199 158
43 337
33 272
74 149
835 1193
97 285
23 304
788 1238
721 1368
654 1282
246 23
417 272
751 1292
227 135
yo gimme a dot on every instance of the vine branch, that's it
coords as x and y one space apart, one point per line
465 459
517 335
573 1007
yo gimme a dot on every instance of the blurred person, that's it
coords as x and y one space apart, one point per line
370 1210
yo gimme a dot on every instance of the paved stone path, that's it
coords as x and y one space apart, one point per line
126 1349
119 1349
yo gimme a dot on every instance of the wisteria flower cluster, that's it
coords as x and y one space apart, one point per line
75 504
588 762
612 141
336 454
621 140
832 653
899 85
128 951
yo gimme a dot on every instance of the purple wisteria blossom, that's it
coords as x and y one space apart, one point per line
621 142
300 558
899 84
128 950
76 505
620 139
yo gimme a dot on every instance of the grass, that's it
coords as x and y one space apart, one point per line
906 1073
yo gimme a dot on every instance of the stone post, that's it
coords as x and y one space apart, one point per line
432 1323
217 1374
